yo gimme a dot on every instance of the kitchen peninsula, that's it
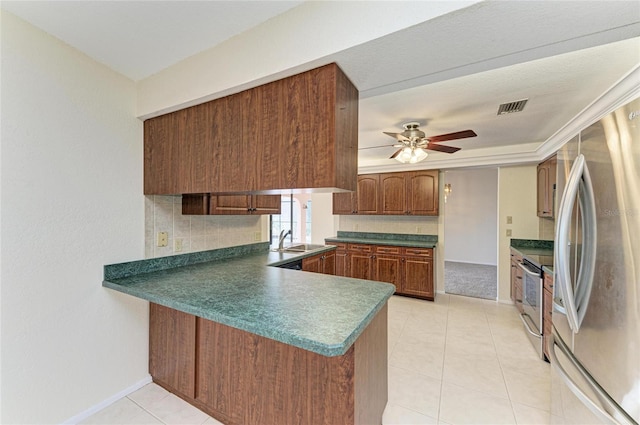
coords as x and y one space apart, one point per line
253 344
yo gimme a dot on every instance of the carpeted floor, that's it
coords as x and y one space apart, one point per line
472 280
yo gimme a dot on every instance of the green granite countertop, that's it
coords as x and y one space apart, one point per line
534 247
237 287
396 239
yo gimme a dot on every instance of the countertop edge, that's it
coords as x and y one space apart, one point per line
329 350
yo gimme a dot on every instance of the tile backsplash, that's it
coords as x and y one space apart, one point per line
389 224
546 229
193 232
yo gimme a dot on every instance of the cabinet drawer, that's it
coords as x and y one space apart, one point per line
419 252
338 245
360 247
383 249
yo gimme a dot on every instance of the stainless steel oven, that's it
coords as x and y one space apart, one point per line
532 303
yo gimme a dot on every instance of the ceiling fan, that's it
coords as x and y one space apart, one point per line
413 143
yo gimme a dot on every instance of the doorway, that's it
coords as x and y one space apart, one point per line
471 233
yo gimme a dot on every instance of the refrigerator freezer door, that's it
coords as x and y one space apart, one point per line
576 397
608 342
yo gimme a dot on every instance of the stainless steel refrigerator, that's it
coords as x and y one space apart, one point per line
595 344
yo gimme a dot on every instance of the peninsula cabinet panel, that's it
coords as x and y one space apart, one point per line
246 379
295 133
172 349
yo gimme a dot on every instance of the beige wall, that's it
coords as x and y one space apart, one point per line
71 202
516 198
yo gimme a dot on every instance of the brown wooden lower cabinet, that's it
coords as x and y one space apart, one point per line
516 281
409 269
320 263
241 378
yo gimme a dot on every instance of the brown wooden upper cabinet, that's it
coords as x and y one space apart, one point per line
546 187
300 132
409 193
403 193
206 204
365 200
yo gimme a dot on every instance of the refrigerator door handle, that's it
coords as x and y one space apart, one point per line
561 262
575 304
620 416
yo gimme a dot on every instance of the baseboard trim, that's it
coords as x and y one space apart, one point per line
98 407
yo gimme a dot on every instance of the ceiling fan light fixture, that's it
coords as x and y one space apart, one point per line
411 155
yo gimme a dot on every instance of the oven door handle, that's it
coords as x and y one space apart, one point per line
528 271
526 325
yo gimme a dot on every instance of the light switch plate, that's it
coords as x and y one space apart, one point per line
257 236
509 219
508 232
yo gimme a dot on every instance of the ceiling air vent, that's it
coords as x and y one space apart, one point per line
508 108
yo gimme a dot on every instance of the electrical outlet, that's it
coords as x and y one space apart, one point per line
508 232
257 236
355 227
163 238
177 245
419 229
509 219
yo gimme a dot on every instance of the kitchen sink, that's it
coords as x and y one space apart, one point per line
301 247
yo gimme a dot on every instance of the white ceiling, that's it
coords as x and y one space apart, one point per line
449 73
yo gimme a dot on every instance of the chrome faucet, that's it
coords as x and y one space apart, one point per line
283 235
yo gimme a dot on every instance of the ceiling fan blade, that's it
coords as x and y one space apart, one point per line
452 136
395 154
442 148
397 136
376 147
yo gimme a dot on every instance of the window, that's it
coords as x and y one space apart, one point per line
295 216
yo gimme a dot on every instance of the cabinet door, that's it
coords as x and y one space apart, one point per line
388 268
393 193
340 258
312 264
418 277
172 348
344 203
265 204
230 204
360 266
542 188
367 194
329 263
422 192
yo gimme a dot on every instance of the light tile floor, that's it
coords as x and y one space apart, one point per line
457 360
